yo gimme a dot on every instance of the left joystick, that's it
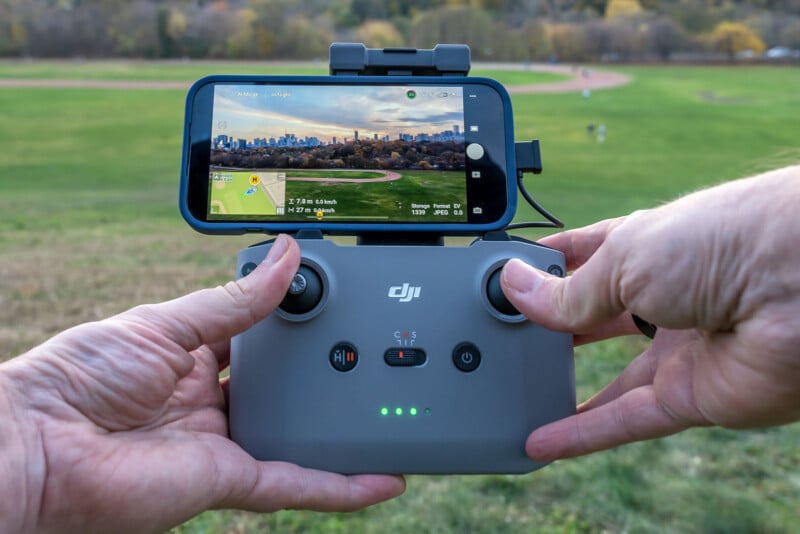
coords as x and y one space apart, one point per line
305 292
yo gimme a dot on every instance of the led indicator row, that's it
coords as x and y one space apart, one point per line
413 411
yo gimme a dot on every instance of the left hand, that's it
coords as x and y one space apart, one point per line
120 425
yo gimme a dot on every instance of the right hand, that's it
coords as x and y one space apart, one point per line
718 272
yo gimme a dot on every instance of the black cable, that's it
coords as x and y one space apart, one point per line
553 221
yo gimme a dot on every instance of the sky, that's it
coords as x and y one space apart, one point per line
250 111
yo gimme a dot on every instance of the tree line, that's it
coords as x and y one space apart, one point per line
503 30
386 155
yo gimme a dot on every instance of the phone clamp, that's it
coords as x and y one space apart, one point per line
355 59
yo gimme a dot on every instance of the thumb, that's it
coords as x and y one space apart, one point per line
217 314
578 303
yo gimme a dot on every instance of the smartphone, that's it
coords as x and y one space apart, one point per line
348 155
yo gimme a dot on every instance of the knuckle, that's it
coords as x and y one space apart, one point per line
562 303
237 294
240 297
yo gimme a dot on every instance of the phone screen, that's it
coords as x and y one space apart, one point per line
266 153
327 153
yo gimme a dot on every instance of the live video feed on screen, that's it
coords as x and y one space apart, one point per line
337 153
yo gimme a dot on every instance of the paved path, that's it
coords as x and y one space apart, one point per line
580 79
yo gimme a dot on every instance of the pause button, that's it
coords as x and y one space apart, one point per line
343 357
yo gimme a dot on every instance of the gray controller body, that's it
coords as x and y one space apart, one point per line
368 381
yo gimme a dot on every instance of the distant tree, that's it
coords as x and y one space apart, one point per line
785 6
242 42
302 38
453 25
412 8
652 5
495 29
364 10
625 39
355 162
734 37
695 16
533 38
617 39
208 31
622 8
508 44
342 14
133 30
13 33
171 24
664 36
379 34
568 42
790 35
597 34
346 151
597 6
55 30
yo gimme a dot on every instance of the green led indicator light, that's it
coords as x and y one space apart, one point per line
399 412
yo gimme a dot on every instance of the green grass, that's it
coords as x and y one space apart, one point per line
193 70
519 77
663 137
147 70
389 198
85 157
90 226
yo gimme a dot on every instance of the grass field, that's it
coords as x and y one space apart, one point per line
90 226
389 198
192 70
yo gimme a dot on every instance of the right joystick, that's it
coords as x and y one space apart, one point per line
305 292
498 300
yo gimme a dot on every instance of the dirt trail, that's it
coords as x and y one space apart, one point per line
581 78
388 176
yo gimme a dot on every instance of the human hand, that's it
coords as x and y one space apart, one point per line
717 272
120 425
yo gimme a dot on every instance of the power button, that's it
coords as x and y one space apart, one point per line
466 357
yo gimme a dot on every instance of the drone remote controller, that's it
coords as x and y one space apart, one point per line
399 359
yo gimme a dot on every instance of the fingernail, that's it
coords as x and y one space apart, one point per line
520 276
278 249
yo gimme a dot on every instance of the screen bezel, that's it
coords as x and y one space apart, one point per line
494 193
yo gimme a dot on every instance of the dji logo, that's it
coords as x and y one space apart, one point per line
405 293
